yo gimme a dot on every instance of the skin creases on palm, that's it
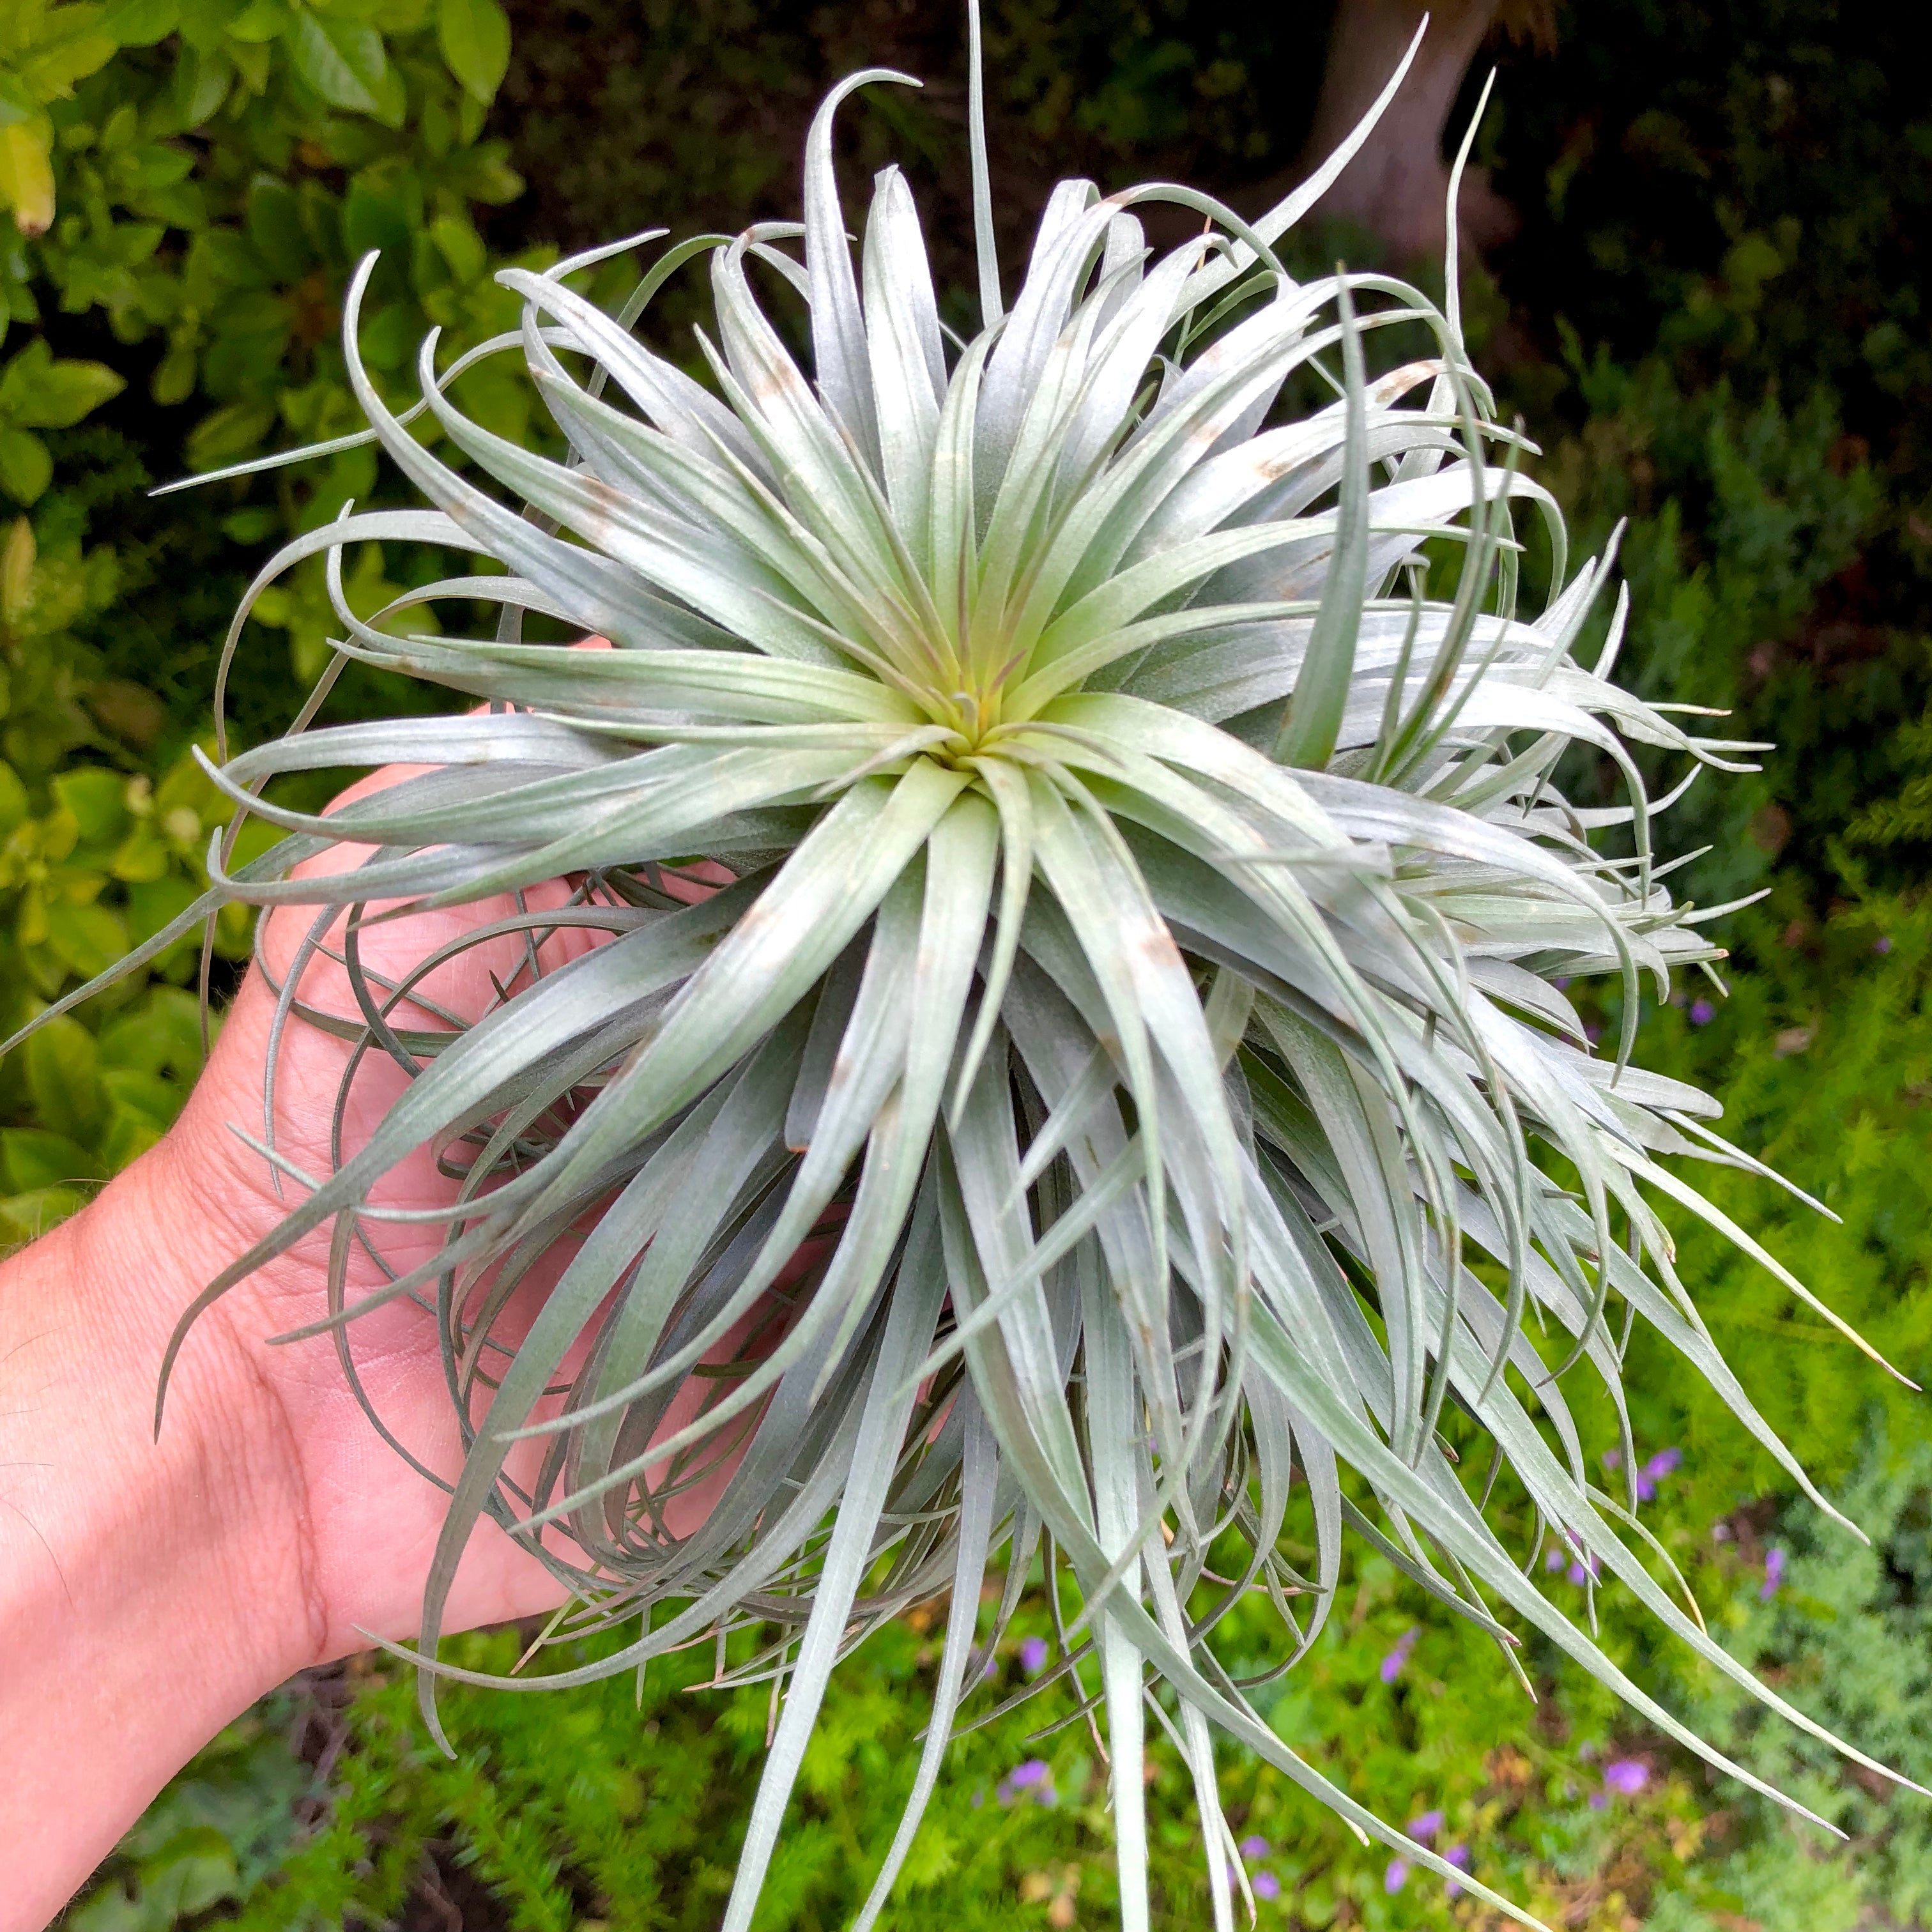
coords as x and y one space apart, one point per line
374 1519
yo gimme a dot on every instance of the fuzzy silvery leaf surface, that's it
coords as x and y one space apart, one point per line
1070 1058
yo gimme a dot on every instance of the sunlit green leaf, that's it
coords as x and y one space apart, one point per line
342 60
475 37
26 465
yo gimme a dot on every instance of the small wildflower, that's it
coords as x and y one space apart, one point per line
1456 1855
1396 1877
1033 1655
1654 1471
1035 1775
1423 1828
1593 1033
1702 1012
1626 1776
1267 1885
1255 1848
1553 1557
1773 1573
1392 1664
1883 943
1613 1458
1583 1567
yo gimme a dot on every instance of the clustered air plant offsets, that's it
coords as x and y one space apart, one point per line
1139 991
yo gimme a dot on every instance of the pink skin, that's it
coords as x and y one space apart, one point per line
151 1589
346 1465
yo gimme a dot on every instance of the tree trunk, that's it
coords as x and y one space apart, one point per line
1397 187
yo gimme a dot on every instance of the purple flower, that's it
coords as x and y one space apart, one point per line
1593 1033
1773 1573
1267 1885
1255 1848
1033 1655
1396 1877
1036 1775
1613 1458
1598 1800
1426 1827
1562 983
1626 1776
1582 1565
1456 1855
1883 943
1654 1471
1702 1012
1553 1559
1392 1664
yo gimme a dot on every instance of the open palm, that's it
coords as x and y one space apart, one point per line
367 1519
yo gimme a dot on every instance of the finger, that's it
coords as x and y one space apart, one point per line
469 985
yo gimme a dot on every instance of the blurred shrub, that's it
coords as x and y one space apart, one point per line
1715 316
219 1831
188 182
625 113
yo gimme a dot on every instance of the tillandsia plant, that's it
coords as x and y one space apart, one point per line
1066 1056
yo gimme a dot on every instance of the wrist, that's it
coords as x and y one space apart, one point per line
150 1589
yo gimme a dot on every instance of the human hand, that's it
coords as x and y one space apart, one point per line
151 1588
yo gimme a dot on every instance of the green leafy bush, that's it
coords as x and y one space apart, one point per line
223 1831
1722 208
210 170
95 853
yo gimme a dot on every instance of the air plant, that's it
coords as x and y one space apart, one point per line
1122 1089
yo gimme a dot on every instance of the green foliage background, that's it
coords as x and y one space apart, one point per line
1713 317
